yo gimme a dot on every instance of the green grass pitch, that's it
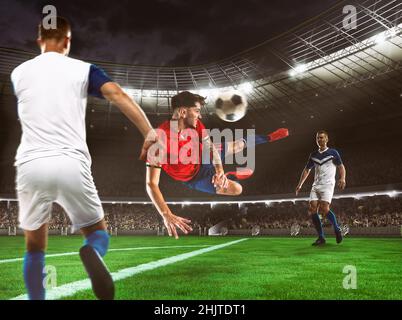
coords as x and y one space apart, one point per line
257 268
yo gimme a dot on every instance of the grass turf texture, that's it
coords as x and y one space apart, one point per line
258 268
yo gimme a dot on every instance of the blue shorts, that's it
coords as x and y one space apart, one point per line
203 179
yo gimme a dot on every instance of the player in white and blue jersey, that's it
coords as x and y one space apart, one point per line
325 161
53 162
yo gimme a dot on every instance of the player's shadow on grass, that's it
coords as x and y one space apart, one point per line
328 247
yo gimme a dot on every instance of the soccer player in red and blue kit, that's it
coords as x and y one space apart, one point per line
182 163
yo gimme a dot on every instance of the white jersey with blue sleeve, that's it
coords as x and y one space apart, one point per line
52 92
324 164
53 161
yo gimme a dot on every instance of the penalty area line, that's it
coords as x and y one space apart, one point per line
72 288
110 250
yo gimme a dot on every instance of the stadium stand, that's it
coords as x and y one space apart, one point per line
315 76
367 212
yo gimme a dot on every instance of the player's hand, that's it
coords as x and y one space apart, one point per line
298 188
220 180
342 184
172 221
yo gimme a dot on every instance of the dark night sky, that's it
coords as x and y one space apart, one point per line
158 32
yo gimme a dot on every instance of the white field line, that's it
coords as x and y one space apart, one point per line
110 250
72 288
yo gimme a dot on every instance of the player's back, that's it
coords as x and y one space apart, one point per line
52 95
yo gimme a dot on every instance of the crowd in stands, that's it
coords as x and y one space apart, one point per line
8 214
131 217
376 211
275 172
117 172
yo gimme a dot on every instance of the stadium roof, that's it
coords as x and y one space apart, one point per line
318 59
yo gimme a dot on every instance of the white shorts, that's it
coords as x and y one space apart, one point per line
323 192
61 179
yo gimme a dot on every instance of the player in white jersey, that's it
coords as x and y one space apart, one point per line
325 161
53 162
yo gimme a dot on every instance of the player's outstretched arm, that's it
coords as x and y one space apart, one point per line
342 179
303 178
170 220
114 93
219 179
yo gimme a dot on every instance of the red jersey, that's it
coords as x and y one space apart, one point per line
183 149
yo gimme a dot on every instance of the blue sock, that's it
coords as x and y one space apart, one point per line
99 240
332 218
34 263
259 139
317 224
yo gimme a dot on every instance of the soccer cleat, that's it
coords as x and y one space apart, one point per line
101 280
339 236
319 242
241 173
278 134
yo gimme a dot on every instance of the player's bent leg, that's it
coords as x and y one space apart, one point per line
36 240
233 189
95 247
36 187
313 206
97 237
99 226
262 139
34 262
80 199
234 147
240 173
325 209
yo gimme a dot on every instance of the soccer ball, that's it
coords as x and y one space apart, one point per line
231 106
